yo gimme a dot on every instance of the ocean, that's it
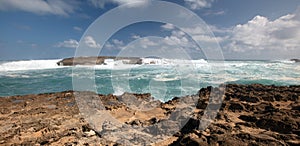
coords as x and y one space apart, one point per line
163 78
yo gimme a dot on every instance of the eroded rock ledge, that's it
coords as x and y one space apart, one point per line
97 60
249 115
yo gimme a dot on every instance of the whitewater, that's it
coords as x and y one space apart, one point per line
160 77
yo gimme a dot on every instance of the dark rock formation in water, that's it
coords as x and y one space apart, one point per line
248 115
296 60
97 60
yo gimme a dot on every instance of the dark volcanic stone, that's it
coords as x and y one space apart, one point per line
274 125
296 60
191 125
236 107
248 118
202 104
268 98
249 99
297 107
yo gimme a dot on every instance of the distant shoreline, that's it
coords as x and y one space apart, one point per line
26 59
98 60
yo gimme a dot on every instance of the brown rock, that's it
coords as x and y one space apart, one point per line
250 115
235 107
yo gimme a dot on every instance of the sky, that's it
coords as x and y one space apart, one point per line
247 29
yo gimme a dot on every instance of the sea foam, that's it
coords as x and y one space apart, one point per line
29 65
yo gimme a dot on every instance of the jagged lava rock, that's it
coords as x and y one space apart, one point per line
248 115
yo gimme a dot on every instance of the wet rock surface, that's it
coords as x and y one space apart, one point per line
236 115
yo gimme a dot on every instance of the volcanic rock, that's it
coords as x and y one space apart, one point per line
248 115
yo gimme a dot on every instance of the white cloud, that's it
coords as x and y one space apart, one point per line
258 38
260 33
115 44
77 28
198 33
254 33
181 38
219 30
214 13
198 4
56 7
71 43
177 38
145 43
90 42
131 3
168 26
108 45
218 13
118 42
135 36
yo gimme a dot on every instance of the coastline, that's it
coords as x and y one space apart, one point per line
249 114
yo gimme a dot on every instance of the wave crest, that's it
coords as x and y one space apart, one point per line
29 65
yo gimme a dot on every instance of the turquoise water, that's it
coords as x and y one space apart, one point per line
163 80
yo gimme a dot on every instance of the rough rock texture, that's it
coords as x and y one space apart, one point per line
249 115
97 60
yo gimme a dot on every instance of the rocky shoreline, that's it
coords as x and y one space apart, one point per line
101 60
248 115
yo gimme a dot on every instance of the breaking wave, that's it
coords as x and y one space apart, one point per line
29 65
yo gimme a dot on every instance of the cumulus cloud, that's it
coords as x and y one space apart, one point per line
90 42
135 36
115 44
145 43
260 33
168 26
118 42
260 37
181 36
131 3
177 37
71 43
203 36
55 7
142 43
199 4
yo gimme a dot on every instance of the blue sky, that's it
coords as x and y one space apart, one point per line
248 29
